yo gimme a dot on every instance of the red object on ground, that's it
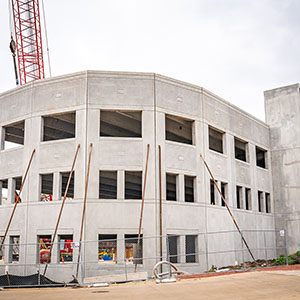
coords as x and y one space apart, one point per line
26 17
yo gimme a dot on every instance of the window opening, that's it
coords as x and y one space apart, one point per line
133 184
179 129
171 187
239 196
189 182
212 193
3 191
14 249
134 254
59 126
2 251
248 199
107 248
216 140
108 185
173 248
240 149
268 203
224 192
64 181
260 201
65 248
17 184
261 157
14 135
120 123
190 248
44 245
46 187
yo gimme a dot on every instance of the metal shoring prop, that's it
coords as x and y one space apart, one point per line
84 206
228 209
143 201
61 209
17 200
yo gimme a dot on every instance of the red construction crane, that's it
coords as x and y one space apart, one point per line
28 40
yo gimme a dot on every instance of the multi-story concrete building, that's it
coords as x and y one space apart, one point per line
255 165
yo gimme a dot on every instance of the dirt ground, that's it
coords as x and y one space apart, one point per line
251 285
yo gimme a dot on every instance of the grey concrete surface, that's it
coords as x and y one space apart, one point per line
155 95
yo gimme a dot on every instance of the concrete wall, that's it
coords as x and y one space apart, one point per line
283 116
155 95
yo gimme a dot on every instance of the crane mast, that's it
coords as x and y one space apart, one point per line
28 40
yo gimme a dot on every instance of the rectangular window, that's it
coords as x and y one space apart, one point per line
133 184
239 197
46 187
134 250
2 251
14 250
59 126
248 199
224 192
179 129
171 187
64 182
261 155
65 250
241 149
118 123
44 245
173 248
260 196
190 248
108 185
14 135
212 193
107 248
268 203
189 186
216 140
17 182
3 191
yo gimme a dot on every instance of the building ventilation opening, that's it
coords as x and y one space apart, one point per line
107 248
133 184
216 140
64 181
46 187
171 187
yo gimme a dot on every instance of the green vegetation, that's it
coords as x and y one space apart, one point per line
293 259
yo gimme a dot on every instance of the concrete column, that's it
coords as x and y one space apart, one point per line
56 186
181 249
243 199
2 137
11 190
121 185
180 187
1 193
120 248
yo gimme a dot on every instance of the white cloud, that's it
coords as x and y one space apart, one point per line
234 48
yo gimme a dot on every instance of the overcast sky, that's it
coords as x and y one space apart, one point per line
234 48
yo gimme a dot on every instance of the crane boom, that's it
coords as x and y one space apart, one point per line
28 39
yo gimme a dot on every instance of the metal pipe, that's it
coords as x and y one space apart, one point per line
17 200
143 201
61 208
228 209
84 206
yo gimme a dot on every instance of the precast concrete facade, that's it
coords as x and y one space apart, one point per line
185 121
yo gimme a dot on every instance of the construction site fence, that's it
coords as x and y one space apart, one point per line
129 259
